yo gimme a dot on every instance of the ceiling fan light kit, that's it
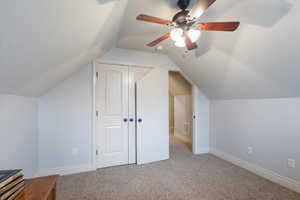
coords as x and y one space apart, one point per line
187 30
180 42
194 34
177 35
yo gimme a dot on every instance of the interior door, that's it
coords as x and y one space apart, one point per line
152 102
135 74
112 115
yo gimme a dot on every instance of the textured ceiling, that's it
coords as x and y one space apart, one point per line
44 42
260 60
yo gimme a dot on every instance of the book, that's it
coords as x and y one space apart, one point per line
12 197
7 176
12 191
11 185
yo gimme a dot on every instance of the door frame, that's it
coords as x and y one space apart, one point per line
195 98
93 142
195 111
195 105
94 118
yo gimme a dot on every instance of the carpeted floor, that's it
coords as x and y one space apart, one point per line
183 177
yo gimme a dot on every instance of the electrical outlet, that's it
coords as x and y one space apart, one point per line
75 152
250 150
291 163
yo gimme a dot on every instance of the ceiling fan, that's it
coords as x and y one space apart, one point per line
186 30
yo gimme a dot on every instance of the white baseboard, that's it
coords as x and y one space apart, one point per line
66 170
202 151
268 174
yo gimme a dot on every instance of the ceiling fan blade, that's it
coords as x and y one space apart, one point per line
199 8
156 20
219 26
162 38
189 44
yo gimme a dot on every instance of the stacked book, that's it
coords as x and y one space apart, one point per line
11 184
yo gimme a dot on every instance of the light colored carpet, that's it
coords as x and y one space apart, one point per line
183 177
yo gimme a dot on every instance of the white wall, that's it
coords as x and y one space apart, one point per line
183 117
65 125
19 137
201 106
53 39
65 122
139 58
270 126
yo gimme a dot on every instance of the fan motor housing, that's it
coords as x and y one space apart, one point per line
183 4
180 18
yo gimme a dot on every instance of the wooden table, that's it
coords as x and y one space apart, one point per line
43 188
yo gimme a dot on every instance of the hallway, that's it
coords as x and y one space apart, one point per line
176 144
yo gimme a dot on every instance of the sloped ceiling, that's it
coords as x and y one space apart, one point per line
260 60
44 42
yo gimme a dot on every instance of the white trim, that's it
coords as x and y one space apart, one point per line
266 173
202 151
119 63
66 170
195 134
93 156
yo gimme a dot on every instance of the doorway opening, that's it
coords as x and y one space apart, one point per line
180 111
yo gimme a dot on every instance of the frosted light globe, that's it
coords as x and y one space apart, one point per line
194 34
180 42
176 34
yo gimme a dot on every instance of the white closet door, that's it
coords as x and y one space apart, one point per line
112 120
135 74
153 117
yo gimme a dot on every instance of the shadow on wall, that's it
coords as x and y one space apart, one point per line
204 42
103 42
262 13
243 64
109 28
256 12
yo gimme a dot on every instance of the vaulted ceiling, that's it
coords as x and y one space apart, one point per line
260 60
44 42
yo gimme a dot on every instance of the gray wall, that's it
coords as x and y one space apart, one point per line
65 123
18 134
270 126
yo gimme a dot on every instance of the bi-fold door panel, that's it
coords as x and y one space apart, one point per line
135 74
152 104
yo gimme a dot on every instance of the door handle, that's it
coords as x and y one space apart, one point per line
140 120
125 119
131 120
